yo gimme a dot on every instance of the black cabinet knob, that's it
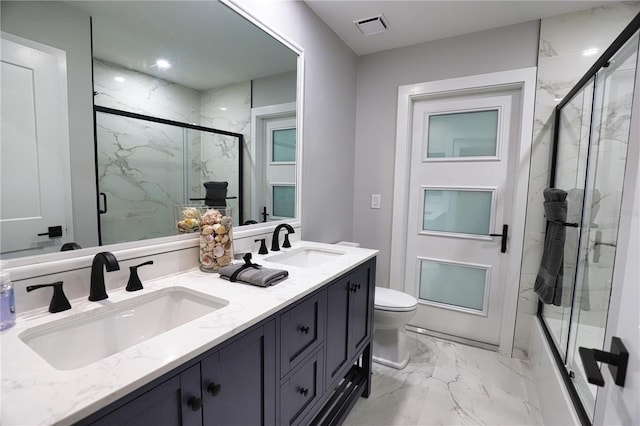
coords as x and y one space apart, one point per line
303 391
194 403
214 389
304 329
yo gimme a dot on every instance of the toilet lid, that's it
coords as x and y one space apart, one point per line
393 300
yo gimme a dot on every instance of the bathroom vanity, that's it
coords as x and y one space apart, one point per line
295 353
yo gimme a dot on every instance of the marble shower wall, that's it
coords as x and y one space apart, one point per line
229 108
142 170
561 63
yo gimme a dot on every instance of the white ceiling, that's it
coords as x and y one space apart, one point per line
208 44
413 22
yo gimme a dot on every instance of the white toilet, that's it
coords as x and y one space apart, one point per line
393 310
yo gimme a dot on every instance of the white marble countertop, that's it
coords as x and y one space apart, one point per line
34 392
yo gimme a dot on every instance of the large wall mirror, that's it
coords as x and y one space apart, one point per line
189 97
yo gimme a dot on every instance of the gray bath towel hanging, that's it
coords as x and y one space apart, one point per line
548 283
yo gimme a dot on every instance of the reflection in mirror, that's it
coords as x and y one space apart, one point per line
145 166
200 69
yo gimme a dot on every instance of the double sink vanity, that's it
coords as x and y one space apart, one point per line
192 348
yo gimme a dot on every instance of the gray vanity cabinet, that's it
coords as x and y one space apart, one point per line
231 385
239 381
306 364
173 402
349 316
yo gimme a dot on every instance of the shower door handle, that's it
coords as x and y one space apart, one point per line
617 359
504 235
104 201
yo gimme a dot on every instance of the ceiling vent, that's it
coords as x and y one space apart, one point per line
374 25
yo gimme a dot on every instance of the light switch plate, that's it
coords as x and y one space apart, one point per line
375 201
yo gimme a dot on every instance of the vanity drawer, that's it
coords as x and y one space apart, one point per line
301 331
300 392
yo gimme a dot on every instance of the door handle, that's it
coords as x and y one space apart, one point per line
617 359
104 201
504 235
53 232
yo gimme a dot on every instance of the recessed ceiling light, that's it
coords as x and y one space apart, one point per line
373 25
119 79
163 64
223 108
590 51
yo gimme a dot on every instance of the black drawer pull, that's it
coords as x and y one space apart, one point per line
214 389
304 329
355 287
194 403
303 391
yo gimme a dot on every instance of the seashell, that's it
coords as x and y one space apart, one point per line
227 245
206 230
227 222
225 238
221 230
206 260
209 238
224 260
218 251
191 213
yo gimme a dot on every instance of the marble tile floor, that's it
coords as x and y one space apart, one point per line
449 383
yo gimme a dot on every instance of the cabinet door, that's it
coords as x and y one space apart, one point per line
239 382
300 392
174 402
301 331
361 286
336 343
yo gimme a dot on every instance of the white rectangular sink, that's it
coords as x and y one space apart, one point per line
80 340
306 257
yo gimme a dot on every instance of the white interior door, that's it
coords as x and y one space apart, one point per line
280 168
34 143
460 192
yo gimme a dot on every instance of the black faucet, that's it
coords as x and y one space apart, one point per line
276 234
101 260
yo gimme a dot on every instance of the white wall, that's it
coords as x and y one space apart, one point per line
329 117
66 28
379 76
273 90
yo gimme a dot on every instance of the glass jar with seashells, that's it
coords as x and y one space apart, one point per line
215 227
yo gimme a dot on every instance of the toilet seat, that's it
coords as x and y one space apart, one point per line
387 299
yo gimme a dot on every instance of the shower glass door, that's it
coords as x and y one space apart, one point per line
592 139
146 168
574 129
603 198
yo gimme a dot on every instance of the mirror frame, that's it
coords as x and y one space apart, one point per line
174 242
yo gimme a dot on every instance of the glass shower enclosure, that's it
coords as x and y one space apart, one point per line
146 166
590 155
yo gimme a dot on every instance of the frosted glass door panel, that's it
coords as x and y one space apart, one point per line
464 134
457 211
452 284
284 145
284 201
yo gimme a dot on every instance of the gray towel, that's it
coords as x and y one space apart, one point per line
255 275
548 283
